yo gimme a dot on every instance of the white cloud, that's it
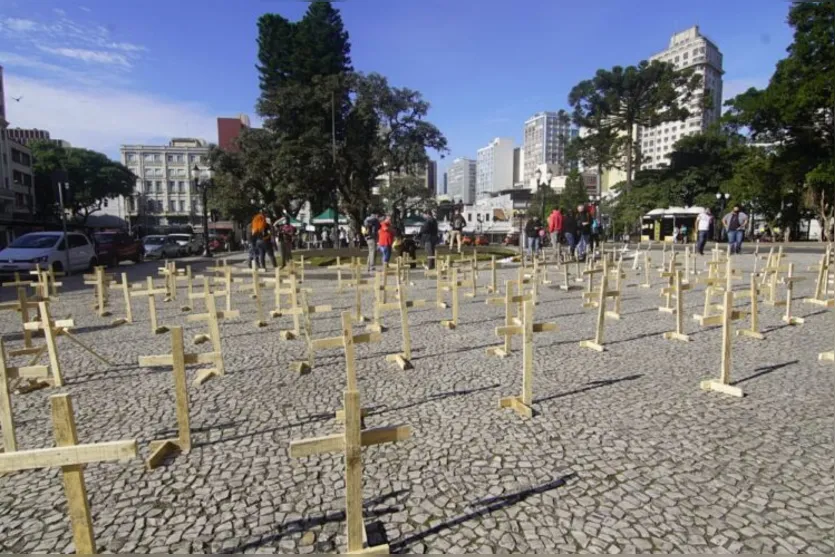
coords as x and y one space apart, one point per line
95 56
19 25
105 118
85 9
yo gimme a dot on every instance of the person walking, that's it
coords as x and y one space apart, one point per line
734 222
532 228
703 224
259 230
429 237
569 230
584 230
371 228
458 225
555 229
286 232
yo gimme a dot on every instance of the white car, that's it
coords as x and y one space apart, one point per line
47 249
190 244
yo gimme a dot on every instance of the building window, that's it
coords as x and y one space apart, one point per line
182 187
181 172
131 157
149 157
170 186
182 206
172 205
147 185
151 205
158 186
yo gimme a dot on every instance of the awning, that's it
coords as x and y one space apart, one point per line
326 217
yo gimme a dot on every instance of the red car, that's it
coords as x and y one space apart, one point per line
114 247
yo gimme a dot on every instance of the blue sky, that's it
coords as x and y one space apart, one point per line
100 73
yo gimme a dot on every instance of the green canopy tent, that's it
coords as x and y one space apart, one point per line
326 217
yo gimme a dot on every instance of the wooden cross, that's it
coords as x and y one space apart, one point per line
522 404
7 373
350 443
670 274
22 306
52 330
603 295
441 277
255 286
294 309
827 356
754 330
151 292
790 280
278 290
212 318
647 275
72 458
300 310
493 287
124 286
723 383
46 286
454 283
381 289
340 286
822 282
101 281
714 282
343 341
359 285
509 301
169 273
178 359
189 280
677 289
588 297
402 359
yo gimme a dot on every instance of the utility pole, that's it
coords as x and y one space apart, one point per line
333 150
60 178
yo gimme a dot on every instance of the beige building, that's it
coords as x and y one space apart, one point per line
165 193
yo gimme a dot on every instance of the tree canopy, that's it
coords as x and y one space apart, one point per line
92 176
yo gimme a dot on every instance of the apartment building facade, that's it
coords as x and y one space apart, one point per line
494 167
461 181
546 136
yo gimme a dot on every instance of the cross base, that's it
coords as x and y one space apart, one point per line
515 403
589 305
301 368
448 324
750 334
778 303
201 338
567 287
160 330
161 449
645 285
497 351
288 335
719 387
826 356
33 385
185 308
275 313
400 360
666 310
592 345
117 322
204 375
375 328
260 324
339 415
443 305
676 336
793 320
824 303
25 351
613 315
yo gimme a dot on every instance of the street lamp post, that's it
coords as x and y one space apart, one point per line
203 187
722 198
540 189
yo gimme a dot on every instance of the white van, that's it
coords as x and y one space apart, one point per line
47 249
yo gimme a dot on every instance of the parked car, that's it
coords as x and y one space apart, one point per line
47 249
190 244
482 240
114 247
160 247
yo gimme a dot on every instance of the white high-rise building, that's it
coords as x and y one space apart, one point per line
494 167
461 181
687 49
546 137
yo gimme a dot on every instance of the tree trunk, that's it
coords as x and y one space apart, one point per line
629 161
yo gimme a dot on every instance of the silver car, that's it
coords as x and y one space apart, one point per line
160 247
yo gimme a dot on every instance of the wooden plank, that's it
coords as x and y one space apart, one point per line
720 387
317 445
181 388
6 412
66 456
353 471
51 345
167 359
327 343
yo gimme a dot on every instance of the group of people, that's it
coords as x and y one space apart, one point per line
734 224
381 235
264 237
580 229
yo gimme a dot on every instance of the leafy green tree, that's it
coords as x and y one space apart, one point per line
699 164
93 178
405 195
614 102
796 112
575 192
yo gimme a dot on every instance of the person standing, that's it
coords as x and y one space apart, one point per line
734 223
286 232
458 225
555 229
569 230
703 223
371 229
269 244
258 228
429 237
385 239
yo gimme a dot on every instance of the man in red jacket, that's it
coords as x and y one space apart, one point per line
555 228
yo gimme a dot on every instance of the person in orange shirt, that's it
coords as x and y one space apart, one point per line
385 239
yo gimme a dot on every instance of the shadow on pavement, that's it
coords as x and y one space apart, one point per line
760 371
592 385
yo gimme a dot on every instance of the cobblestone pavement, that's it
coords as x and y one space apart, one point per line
626 455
